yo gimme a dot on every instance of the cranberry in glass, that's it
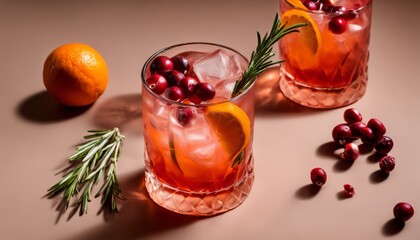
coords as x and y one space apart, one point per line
356 128
349 190
157 83
351 152
185 115
377 127
337 25
403 211
387 164
367 136
327 2
187 85
338 9
174 93
204 91
341 134
181 64
310 5
173 77
161 64
352 115
318 176
350 15
327 8
384 145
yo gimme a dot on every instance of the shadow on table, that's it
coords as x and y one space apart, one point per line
269 99
123 111
392 227
138 217
43 108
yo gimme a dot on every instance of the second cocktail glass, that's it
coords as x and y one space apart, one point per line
326 63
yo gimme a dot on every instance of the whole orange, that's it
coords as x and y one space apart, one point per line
75 74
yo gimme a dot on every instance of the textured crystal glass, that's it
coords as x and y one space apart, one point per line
325 66
187 168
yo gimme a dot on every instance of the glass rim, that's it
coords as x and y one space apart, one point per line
369 2
169 101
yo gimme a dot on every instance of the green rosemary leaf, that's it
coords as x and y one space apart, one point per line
259 60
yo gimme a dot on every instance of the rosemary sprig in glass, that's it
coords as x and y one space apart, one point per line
260 57
93 160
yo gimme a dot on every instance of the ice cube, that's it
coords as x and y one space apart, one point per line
224 89
217 66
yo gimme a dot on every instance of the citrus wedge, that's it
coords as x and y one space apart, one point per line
231 125
309 35
297 3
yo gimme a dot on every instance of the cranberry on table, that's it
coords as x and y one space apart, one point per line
174 93
187 85
157 83
181 64
384 145
185 115
337 25
367 136
377 127
351 152
161 64
318 176
349 190
173 77
352 115
356 128
403 211
204 91
341 134
387 164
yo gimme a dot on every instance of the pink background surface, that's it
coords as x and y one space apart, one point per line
37 134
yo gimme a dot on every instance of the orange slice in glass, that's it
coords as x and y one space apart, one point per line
305 46
231 125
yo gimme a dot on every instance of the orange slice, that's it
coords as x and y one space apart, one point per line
297 3
308 35
231 125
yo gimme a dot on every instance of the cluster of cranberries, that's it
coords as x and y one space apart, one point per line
174 78
338 23
373 135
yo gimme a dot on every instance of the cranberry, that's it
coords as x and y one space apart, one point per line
367 136
157 83
318 176
310 5
356 128
161 64
327 2
387 164
384 145
327 8
173 77
174 93
351 152
349 190
187 85
185 115
204 91
352 115
341 134
338 9
377 127
403 211
350 15
181 64
337 25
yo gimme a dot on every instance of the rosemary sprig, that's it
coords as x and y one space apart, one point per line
94 159
260 57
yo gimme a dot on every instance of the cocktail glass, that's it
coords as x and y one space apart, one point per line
198 155
326 64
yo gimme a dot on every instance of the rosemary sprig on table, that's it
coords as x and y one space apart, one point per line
260 57
94 159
